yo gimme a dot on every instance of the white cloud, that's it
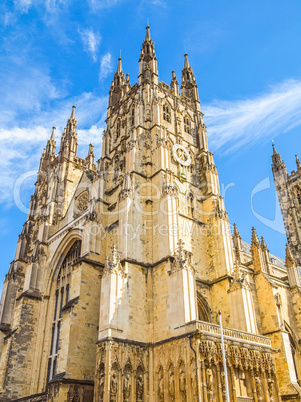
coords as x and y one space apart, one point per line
106 66
233 124
100 4
23 5
91 41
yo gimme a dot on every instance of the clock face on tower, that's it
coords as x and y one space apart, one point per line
181 154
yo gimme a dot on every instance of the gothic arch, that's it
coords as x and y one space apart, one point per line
203 309
60 254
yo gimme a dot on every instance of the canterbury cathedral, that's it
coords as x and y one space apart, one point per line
126 259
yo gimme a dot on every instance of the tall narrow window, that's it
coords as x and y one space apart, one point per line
61 297
133 116
118 129
298 192
186 125
190 205
166 113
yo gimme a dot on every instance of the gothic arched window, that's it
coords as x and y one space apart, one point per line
118 129
186 124
203 309
190 205
166 113
62 290
298 193
133 116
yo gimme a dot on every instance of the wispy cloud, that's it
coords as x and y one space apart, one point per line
106 66
233 124
23 5
91 42
96 5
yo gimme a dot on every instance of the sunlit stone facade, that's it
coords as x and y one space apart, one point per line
123 265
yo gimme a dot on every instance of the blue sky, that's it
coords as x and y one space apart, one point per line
246 58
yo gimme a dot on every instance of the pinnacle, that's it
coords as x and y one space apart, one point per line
147 36
73 113
52 137
274 149
119 68
298 162
235 230
186 62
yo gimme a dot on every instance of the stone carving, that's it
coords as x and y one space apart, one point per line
127 189
101 385
182 382
81 202
127 387
169 187
139 387
271 388
113 265
113 387
74 393
182 258
161 385
209 383
171 384
258 386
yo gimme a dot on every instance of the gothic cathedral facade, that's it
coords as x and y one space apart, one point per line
123 265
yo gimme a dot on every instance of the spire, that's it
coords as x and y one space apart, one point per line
278 164
148 70
237 242
52 137
90 157
69 137
147 36
235 231
119 68
72 117
255 241
189 87
263 243
117 89
298 162
186 62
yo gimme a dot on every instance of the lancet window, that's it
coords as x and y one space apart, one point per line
187 124
61 297
118 129
298 193
190 205
166 113
133 116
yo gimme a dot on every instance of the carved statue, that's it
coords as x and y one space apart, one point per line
113 388
139 388
271 388
258 387
171 386
161 388
101 386
209 382
127 388
182 385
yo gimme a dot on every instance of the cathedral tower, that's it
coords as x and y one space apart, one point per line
288 188
123 265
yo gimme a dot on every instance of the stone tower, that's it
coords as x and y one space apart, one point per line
123 265
288 188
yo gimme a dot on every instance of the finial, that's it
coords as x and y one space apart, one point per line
147 36
235 230
73 112
186 63
298 162
53 134
119 68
